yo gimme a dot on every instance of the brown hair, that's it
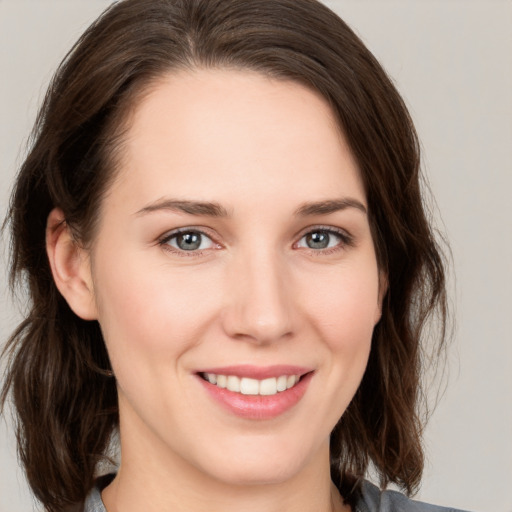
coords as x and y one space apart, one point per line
58 373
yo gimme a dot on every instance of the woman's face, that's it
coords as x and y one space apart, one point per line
235 243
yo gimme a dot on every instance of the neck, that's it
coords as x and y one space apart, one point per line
122 496
152 479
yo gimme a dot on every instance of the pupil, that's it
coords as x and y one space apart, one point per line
318 240
189 241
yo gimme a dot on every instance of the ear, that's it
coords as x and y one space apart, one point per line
383 288
70 266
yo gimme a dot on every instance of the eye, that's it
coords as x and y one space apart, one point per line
189 240
321 239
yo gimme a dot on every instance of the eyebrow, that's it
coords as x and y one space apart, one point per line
206 208
329 206
214 209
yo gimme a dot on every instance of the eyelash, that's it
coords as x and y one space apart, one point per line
346 240
164 242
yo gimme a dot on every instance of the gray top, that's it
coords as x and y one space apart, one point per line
375 500
372 500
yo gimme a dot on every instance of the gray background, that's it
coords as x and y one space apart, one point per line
452 61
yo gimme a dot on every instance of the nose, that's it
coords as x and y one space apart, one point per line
259 304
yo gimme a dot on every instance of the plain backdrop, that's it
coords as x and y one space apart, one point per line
452 61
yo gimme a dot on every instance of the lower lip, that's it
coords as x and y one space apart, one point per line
258 407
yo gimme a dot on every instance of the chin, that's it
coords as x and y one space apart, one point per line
258 468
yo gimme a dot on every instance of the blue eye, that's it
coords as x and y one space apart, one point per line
189 240
320 239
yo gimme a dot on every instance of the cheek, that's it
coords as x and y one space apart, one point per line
152 314
346 306
341 309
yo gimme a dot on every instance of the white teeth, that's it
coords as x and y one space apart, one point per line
247 386
222 381
268 387
281 383
233 383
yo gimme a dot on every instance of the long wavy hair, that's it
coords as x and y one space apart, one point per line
58 371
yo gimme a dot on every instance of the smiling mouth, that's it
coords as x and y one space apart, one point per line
247 386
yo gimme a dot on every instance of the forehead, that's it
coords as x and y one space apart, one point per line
211 131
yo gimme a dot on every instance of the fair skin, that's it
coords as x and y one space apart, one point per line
264 282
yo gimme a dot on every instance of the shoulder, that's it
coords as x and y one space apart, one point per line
374 500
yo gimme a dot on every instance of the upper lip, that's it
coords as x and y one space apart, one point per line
258 372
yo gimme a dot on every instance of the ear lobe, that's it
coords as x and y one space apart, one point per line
70 266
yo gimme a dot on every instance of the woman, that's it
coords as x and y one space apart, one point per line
229 265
